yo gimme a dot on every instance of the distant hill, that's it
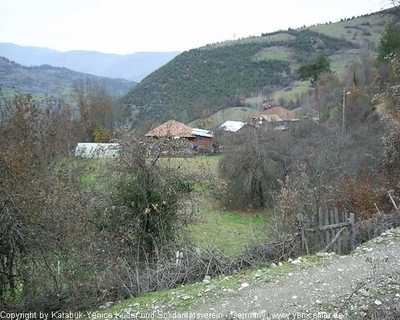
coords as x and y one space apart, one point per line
209 78
134 66
52 80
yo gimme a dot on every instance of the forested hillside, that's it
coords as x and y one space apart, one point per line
214 76
52 80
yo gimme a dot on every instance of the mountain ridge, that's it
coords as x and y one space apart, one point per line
133 67
50 80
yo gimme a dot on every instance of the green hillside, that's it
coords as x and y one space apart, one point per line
52 81
209 78
216 119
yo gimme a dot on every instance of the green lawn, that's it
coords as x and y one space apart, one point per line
228 231
196 164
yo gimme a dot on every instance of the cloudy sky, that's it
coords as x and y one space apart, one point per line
128 26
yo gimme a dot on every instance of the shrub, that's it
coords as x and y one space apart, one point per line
252 169
145 199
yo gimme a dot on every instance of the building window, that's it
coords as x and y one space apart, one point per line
200 138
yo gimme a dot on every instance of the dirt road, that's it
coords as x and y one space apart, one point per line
353 286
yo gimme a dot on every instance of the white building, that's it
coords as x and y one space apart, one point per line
97 150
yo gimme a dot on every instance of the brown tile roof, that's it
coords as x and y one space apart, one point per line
282 113
171 128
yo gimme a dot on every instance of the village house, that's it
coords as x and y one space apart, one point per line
232 126
176 130
276 118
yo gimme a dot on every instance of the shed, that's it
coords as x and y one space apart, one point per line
202 137
232 126
97 150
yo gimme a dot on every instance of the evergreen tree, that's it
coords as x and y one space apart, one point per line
312 70
389 42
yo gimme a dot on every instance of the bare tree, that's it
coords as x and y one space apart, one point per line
95 106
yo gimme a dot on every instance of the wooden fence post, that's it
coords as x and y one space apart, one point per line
303 225
304 240
352 221
321 234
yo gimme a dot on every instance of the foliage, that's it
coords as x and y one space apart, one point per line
101 134
64 242
33 137
96 109
365 194
329 94
145 200
390 42
362 72
389 94
321 164
251 171
312 70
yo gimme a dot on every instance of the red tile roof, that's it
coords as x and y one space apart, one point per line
171 128
281 112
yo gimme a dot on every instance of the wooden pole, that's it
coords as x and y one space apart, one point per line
344 112
304 240
352 221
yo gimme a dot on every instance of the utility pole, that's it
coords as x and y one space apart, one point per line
344 112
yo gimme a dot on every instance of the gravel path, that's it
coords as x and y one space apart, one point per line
346 286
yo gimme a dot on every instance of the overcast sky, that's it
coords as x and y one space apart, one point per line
128 26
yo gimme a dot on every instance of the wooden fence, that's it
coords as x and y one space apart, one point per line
330 230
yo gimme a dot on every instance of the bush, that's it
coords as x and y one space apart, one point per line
252 169
62 241
204 150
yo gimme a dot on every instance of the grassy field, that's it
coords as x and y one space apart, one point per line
341 61
289 93
228 231
196 164
274 53
361 30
